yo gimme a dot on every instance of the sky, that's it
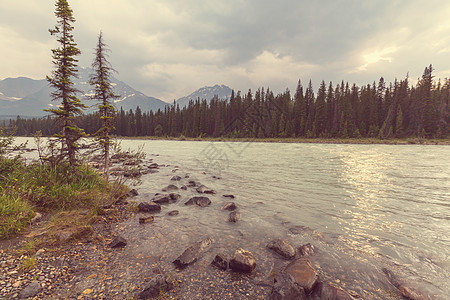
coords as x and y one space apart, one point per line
169 48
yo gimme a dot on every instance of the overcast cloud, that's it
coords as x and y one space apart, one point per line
169 48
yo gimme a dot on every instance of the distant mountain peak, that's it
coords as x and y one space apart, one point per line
206 93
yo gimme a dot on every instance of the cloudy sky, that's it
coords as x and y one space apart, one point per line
169 48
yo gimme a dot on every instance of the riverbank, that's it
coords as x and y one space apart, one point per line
405 141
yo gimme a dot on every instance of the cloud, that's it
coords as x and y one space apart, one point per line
167 48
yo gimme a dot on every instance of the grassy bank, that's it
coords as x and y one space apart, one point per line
36 187
404 141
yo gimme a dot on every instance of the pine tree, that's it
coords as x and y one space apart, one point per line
320 118
399 123
427 109
104 93
61 80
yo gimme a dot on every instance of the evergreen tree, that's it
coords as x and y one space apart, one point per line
427 110
103 92
61 80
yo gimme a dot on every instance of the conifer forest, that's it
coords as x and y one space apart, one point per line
377 110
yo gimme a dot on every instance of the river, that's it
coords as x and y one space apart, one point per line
364 208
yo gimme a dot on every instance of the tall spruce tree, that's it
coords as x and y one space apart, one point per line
104 93
61 80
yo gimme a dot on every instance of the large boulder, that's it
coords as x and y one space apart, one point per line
242 261
200 201
282 247
303 273
285 288
193 253
157 285
149 207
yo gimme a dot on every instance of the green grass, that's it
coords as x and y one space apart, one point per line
25 189
15 214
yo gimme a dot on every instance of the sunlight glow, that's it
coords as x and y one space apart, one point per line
376 55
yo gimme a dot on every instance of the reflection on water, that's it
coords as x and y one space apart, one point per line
364 179
364 207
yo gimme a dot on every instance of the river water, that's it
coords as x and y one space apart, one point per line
364 208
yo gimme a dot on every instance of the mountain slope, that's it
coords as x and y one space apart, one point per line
28 97
207 93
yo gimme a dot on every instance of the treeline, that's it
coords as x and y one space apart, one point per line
375 110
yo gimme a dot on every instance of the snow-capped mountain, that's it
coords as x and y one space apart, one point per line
27 97
206 93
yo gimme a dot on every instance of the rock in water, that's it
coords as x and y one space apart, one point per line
282 247
229 196
306 249
200 201
173 213
193 253
157 285
303 273
174 196
326 291
406 292
146 220
149 207
132 193
192 183
229 206
176 178
220 261
285 287
205 190
118 242
169 188
30 290
234 216
242 261
162 199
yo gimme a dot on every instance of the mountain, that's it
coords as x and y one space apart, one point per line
13 89
27 97
207 93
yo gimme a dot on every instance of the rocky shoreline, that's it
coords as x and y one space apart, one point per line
99 266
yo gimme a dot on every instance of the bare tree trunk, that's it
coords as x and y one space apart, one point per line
107 161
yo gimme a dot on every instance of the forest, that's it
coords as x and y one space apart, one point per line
377 110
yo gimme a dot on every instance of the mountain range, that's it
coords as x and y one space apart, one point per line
28 97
